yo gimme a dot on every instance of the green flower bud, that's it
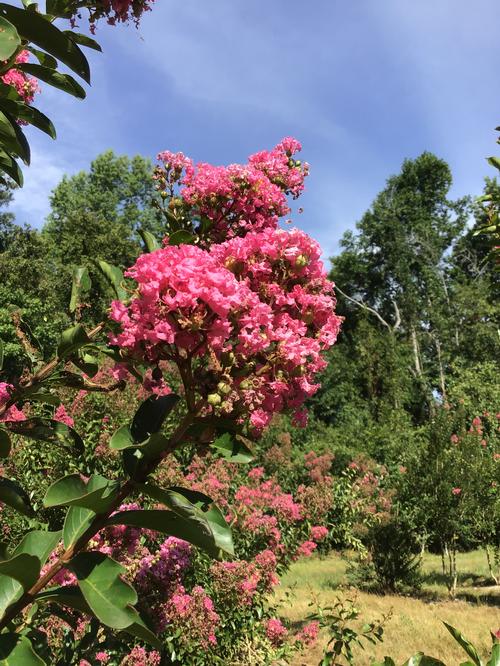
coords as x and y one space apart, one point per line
214 399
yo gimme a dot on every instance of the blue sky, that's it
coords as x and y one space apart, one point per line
361 83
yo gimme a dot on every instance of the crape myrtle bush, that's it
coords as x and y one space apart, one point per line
212 333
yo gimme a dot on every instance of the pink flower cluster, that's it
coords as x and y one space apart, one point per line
308 635
258 309
114 11
13 413
276 632
238 582
194 615
25 86
237 198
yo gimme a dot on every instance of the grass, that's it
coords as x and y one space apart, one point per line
416 623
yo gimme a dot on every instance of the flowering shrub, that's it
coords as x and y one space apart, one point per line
222 327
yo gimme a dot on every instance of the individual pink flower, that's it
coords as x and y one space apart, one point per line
454 439
456 491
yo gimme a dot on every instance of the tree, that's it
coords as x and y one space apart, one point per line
393 285
97 214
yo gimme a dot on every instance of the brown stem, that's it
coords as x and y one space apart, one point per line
97 524
35 380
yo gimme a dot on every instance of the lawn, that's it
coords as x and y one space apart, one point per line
416 623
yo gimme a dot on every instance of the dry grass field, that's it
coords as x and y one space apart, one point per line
416 623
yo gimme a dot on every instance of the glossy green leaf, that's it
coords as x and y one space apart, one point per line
151 415
465 644
76 522
5 445
149 240
81 285
115 278
23 568
43 58
72 597
97 495
16 650
9 166
87 363
29 114
109 597
47 430
233 448
207 530
12 138
10 592
37 29
14 496
495 656
122 439
9 39
72 339
38 543
83 40
494 161
63 82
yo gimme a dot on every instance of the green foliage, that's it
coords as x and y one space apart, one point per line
21 27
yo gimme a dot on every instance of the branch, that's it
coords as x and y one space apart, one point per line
362 305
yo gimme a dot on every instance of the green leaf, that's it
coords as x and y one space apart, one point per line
9 39
87 363
37 29
122 439
12 138
16 650
151 415
494 161
72 339
47 430
23 568
233 448
43 58
115 278
63 82
83 40
181 237
9 166
10 592
495 656
38 543
465 644
29 114
81 285
2 351
149 240
97 495
5 444
14 496
72 597
76 522
109 597
206 529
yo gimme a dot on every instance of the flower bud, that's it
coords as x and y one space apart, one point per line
223 388
214 399
301 261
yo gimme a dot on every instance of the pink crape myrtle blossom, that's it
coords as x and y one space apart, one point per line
237 198
13 413
25 86
308 635
62 416
259 309
114 11
276 632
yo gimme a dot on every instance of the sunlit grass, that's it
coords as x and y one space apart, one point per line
416 623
